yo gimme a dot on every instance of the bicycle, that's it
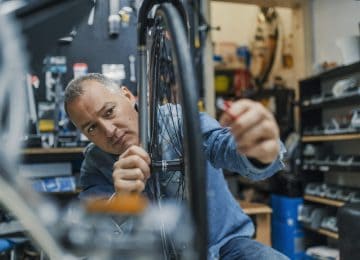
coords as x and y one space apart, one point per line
189 158
172 92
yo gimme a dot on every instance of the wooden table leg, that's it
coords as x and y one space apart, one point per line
263 228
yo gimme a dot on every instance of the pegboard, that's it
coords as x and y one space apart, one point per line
93 45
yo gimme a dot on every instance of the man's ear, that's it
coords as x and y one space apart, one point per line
127 93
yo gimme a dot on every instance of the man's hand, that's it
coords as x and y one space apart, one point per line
254 128
132 170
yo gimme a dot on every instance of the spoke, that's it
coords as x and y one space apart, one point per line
161 88
172 75
166 131
166 134
178 126
181 188
169 135
172 96
165 138
180 123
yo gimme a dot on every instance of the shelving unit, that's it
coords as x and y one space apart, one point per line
324 232
30 151
269 3
327 233
14 228
63 166
64 193
34 155
328 168
323 166
332 101
329 202
322 138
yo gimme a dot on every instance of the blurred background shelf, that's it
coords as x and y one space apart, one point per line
324 232
34 155
325 201
267 3
330 168
334 101
29 151
321 138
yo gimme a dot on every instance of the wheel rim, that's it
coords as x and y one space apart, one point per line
192 160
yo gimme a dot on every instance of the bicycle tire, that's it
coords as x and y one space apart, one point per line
185 96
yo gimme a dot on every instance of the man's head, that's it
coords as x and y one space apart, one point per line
104 112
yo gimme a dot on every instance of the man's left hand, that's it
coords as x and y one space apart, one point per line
254 128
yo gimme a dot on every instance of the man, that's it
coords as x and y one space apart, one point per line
115 162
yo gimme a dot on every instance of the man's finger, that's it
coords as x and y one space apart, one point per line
265 151
225 119
130 174
236 110
265 130
136 150
129 186
246 121
131 162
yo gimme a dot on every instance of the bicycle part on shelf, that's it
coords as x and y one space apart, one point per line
330 223
114 18
345 85
305 213
317 215
92 13
265 44
355 119
331 192
132 68
309 150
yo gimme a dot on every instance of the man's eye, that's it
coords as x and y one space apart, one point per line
91 129
109 112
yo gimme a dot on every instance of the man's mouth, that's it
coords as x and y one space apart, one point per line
119 140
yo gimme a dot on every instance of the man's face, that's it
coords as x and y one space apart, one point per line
107 118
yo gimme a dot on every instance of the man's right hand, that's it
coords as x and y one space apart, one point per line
132 170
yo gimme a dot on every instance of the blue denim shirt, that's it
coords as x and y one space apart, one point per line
226 218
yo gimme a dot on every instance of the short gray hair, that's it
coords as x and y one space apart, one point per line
75 88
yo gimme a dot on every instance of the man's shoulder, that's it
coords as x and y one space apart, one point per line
95 158
93 151
90 149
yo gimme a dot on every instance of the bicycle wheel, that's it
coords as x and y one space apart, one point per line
174 138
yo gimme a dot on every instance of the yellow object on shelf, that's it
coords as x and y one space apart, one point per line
222 83
46 125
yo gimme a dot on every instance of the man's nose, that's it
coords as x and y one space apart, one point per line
109 128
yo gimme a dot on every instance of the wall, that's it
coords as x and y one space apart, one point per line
238 21
238 24
333 19
93 46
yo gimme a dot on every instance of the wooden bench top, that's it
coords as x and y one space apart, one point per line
251 208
